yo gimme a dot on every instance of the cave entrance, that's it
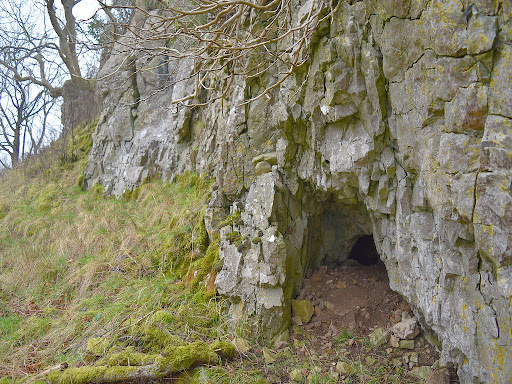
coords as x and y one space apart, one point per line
364 251
338 232
345 293
345 280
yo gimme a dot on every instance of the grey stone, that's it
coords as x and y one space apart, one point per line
401 130
496 144
406 329
481 33
500 87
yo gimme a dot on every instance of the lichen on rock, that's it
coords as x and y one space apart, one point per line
398 127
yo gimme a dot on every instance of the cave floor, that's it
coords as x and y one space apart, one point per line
350 301
353 298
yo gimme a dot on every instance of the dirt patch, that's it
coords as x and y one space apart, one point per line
350 303
353 297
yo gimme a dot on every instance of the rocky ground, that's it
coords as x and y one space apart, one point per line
350 327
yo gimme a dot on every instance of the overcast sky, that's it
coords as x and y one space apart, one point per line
85 9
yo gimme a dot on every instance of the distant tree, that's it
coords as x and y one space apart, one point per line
24 117
47 44
105 28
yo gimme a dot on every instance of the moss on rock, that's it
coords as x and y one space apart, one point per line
185 356
162 317
155 339
128 357
80 375
224 349
200 235
129 364
202 267
233 218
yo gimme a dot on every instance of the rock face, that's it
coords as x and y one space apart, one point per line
402 130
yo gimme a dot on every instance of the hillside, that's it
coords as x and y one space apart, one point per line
121 289
289 191
77 265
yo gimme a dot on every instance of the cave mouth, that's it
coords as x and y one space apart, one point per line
345 279
364 251
338 232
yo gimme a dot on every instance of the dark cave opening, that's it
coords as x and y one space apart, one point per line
364 251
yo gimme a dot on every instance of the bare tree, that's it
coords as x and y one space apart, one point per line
46 48
67 34
24 114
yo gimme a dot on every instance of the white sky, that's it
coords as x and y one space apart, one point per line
85 9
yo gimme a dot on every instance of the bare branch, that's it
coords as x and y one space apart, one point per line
226 39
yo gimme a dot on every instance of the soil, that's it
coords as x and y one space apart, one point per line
353 297
350 302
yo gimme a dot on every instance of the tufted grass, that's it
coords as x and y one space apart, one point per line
76 264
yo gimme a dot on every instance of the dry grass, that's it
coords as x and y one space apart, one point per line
77 264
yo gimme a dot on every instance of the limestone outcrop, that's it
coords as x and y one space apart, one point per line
400 127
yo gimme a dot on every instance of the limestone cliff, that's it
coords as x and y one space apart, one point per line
400 127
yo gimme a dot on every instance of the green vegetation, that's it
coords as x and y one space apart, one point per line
343 337
98 281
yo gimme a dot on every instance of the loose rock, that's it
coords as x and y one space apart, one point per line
268 356
343 368
406 344
422 372
296 376
439 376
406 329
303 309
378 337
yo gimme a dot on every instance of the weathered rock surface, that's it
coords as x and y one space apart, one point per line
406 329
403 130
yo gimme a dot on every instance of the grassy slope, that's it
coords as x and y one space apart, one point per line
75 265
83 276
